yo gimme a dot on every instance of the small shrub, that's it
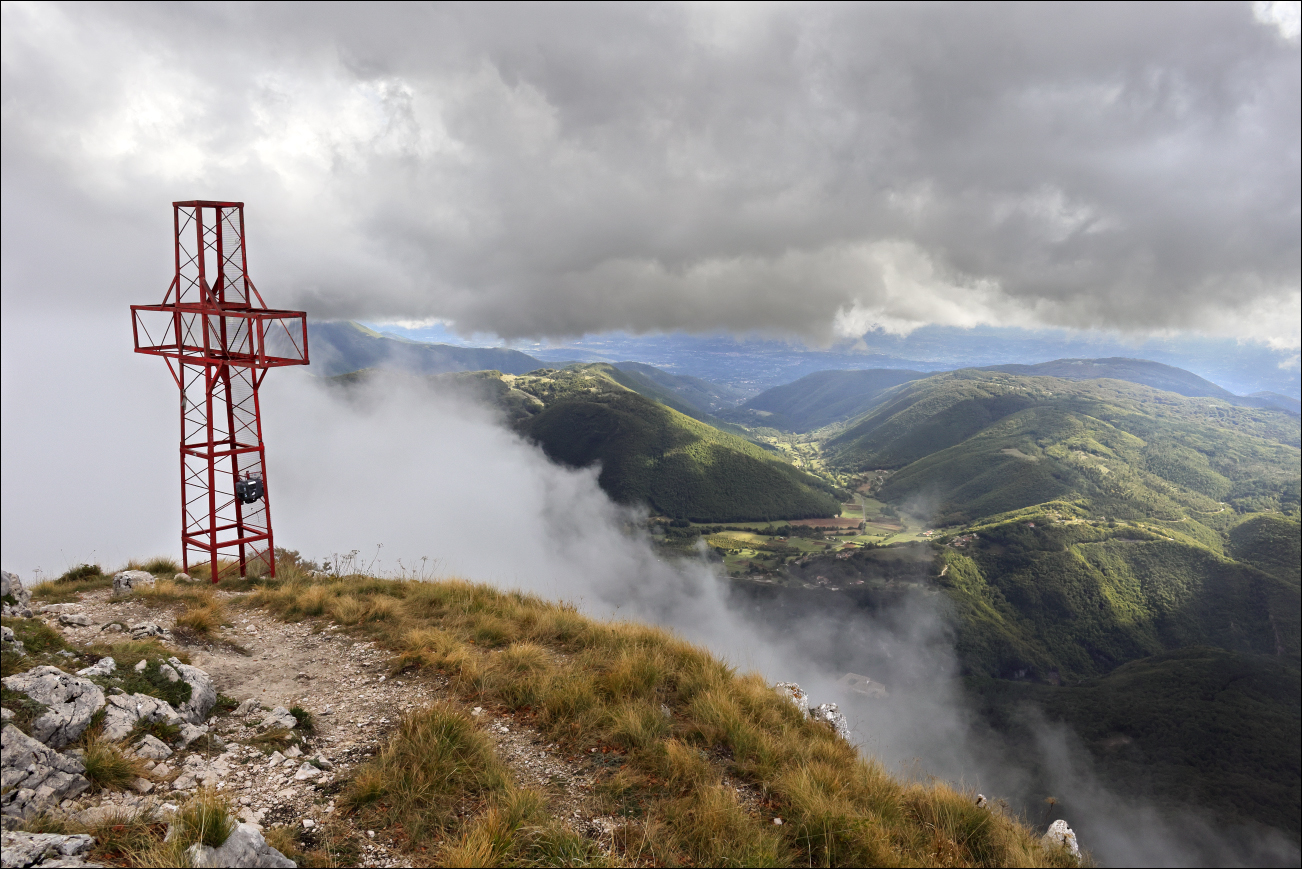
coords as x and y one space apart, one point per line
162 566
306 723
224 704
151 680
81 571
158 729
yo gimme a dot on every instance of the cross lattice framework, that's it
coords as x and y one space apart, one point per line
219 340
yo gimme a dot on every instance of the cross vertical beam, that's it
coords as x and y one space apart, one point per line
219 339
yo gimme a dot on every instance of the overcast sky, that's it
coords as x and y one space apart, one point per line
539 170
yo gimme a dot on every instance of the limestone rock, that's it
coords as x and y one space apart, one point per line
151 747
244 847
829 714
76 620
45 849
184 577
145 630
1061 836
122 711
203 694
11 587
129 580
279 717
795 694
34 777
306 772
102 667
10 642
191 732
247 707
70 702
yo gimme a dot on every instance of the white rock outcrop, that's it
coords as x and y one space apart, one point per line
102 667
34 777
70 702
40 850
279 717
12 587
122 711
151 747
203 694
128 581
1060 835
829 714
244 847
795 694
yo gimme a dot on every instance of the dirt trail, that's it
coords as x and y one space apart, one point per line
345 684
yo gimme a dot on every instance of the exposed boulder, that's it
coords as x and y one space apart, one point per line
122 711
203 694
102 667
41 850
17 599
307 772
9 642
244 847
829 714
247 707
128 581
151 747
70 702
145 630
795 694
34 777
279 717
1060 835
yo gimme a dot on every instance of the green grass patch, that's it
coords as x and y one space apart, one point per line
25 709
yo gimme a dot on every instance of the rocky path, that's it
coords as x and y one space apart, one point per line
345 684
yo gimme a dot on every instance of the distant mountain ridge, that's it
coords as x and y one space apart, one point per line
343 346
819 399
1167 378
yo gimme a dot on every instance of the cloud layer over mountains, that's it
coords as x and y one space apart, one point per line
554 170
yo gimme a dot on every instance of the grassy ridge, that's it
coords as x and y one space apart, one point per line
677 720
653 454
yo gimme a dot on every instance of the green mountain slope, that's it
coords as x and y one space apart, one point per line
1204 726
650 453
701 394
342 346
819 399
1167 378
1073 600
981 443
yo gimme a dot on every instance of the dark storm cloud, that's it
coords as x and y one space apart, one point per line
544 170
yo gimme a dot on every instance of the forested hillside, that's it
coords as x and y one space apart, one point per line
650 453
981 443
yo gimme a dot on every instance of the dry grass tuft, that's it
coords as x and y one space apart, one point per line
107 767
